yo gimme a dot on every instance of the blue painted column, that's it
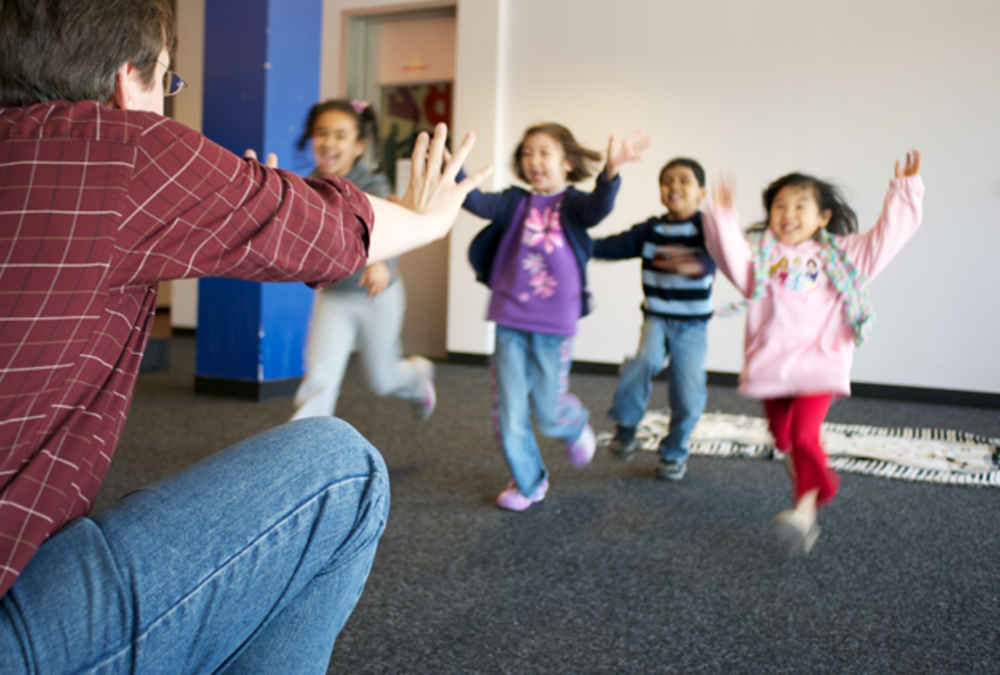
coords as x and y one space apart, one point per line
262 63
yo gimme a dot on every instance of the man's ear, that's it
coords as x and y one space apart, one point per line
121 97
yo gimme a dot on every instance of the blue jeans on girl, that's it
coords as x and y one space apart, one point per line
685 344
250 561
531 375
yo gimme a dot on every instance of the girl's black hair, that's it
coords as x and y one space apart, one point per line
364 121
581 159
828 197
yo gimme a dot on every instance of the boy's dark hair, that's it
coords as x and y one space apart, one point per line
72 49
581 159
843 220
364 121
696 168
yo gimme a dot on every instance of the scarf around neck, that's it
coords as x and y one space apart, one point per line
848 282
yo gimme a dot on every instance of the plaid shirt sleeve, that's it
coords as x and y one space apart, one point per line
195 209
97 206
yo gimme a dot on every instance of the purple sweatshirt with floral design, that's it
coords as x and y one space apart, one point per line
535 276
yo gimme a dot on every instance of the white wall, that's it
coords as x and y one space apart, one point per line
758 89
190 64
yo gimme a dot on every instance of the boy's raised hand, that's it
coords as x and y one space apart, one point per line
628 150
912 166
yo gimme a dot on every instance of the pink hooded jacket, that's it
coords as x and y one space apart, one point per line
796 340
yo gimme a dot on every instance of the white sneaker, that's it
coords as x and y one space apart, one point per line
795 532
424 407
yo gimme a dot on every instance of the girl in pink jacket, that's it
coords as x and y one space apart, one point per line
803 272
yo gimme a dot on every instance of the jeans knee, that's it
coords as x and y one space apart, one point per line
334 447
646 365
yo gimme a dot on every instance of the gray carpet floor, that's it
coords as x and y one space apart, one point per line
615 572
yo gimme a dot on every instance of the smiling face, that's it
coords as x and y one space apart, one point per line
335 143
795 215
680 191
544 163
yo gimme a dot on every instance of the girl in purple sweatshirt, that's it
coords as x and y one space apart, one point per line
533 256
803 272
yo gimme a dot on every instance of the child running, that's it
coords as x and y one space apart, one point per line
804 271
677 275
365 310
533 256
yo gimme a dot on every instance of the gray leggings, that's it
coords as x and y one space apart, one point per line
343 321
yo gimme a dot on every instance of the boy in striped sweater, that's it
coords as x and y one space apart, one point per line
677 276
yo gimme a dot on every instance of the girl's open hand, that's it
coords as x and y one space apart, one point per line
912 166
723 193
628 150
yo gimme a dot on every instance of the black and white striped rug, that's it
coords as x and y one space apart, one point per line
931 455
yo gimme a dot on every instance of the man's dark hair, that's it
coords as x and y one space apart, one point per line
72 49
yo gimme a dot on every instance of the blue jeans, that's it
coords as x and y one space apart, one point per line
531 376
250 561
684 343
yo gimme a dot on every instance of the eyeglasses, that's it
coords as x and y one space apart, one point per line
172 82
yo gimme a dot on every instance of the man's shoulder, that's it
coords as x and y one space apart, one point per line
84 121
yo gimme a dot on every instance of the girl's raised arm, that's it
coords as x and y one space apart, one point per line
902 212
620 152
725 241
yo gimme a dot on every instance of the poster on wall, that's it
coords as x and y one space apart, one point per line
408 109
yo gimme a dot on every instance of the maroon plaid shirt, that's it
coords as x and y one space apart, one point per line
97 205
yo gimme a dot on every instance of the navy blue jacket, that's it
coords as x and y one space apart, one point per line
578 211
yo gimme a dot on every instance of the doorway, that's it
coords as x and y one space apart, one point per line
404 62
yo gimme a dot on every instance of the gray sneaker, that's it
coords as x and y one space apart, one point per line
671 470
624 445
794 532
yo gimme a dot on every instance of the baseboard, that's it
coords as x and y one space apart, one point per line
971 399
247 389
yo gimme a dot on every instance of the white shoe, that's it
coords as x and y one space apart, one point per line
796 533
424 407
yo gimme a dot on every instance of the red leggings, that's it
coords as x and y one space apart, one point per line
795 423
